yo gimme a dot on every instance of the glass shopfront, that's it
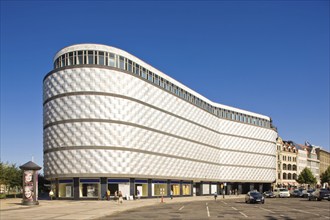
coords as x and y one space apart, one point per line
141 188
186 188
214 188
89 188
65 188
206 189
175 187
116 185
159 188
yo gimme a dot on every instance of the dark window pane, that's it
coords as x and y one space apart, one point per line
111 59
121 62
101 60
137 69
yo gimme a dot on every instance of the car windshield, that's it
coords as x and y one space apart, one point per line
283 190
254 194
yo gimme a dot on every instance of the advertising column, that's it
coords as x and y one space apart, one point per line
30 183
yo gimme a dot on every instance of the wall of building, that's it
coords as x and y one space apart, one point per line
104 122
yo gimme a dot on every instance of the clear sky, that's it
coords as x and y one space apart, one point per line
268 57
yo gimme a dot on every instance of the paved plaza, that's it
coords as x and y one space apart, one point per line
202 207
236 208
81 209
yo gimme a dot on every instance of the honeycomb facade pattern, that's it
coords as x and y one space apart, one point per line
102 121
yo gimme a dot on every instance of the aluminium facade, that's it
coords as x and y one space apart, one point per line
112 121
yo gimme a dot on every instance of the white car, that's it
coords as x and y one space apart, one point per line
282 193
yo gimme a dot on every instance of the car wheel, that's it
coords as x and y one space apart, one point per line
263 202
309 199
245 201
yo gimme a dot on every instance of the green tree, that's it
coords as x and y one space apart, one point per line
325 177
11 177
2 174
306 177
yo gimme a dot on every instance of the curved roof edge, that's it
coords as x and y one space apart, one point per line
102 47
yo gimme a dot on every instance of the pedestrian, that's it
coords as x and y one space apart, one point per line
171 194
120 195
51 194
230 192
138 194
108 195
116 196
215 196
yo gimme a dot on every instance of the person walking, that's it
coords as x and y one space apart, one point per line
138 194
215 196
51 194
171 194
108 195
116 196
120 195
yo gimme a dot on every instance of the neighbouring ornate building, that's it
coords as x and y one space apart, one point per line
313 163
324 157
302 156
292 158
286 164
308 158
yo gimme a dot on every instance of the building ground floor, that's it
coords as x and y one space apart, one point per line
131 188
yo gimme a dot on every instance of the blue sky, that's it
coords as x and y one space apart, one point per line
269 57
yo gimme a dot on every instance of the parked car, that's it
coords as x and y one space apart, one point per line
319 195
297 193
254 197
306 193
282 193
269 194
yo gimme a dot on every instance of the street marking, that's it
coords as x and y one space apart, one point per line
306 212
266 210
243 214
234 208
208 213
181 208
224 202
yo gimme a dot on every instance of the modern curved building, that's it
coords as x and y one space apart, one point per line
112 121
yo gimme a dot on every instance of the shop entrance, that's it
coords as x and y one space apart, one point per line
113 187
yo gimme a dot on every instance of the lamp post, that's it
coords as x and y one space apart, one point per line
30 183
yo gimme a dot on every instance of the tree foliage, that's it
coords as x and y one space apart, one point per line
306 177
325 177
10 176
